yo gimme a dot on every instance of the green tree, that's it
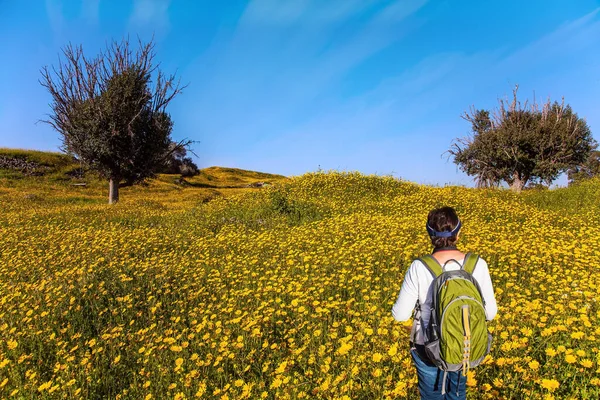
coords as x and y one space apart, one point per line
589 169
519 143
111 111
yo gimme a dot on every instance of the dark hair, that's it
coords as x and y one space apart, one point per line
443 219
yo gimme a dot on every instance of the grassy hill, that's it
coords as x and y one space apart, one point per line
17 163
30 170
284 291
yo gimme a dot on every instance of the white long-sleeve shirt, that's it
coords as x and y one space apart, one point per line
417 286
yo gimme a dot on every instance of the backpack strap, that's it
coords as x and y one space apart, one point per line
435 269
469 266
432 265
470 262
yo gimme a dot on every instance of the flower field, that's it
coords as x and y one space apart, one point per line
283 292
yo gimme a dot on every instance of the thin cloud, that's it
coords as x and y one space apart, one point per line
150 13
301 65
430 80
582 32
55 16
90 10
89 15
312 12
399 10
386 118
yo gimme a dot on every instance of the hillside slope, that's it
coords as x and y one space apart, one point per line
43 172
20 162
297 279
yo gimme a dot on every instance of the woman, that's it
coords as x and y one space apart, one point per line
443 227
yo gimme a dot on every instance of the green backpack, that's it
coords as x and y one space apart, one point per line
457 335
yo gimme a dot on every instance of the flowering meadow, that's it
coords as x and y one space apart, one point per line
283 292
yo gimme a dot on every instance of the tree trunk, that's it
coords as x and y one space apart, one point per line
113 191
517 183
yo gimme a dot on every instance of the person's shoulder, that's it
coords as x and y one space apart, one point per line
418 267
480 259
418 262
414 266
481 265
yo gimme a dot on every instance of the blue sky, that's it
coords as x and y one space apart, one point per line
290 86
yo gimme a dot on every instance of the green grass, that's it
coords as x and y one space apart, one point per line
57 183
60 166
53 160
575 199
221 177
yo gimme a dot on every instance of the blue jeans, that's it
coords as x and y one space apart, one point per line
431 378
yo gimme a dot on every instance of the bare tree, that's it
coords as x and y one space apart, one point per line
111 111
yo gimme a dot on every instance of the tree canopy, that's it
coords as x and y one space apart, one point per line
519 143
111 111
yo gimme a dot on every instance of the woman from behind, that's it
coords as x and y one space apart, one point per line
416 295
